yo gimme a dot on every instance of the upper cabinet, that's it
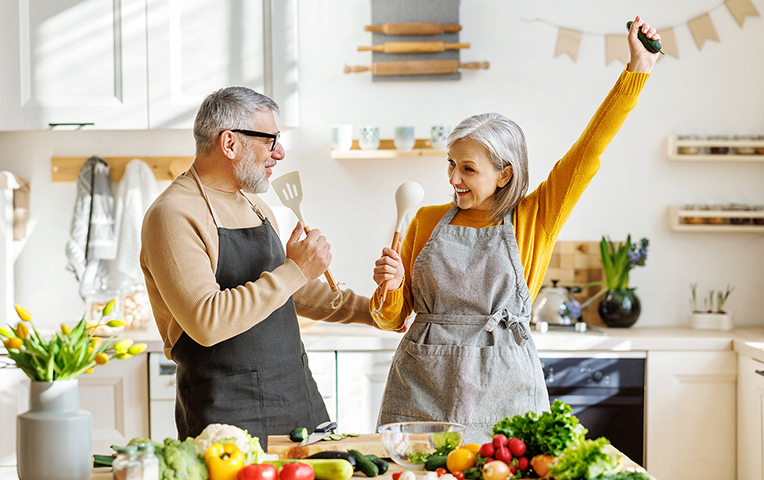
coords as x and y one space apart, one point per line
137 64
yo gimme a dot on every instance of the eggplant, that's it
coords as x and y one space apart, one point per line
336 454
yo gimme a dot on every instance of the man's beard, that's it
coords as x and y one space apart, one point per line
251 178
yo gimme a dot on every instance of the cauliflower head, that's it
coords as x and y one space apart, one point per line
222 433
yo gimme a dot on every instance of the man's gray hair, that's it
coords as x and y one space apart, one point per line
227 108
505 142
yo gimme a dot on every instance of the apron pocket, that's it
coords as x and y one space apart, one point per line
462 384
233 400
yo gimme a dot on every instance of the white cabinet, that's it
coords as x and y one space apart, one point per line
115 395
690 403
361 378
137 64
750 422
323 366
73 61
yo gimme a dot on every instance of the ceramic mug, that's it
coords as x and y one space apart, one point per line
439 136
368 137
342 137
404 138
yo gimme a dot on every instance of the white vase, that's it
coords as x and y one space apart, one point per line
711 321
53 436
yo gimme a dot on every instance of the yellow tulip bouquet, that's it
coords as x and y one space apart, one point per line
69 352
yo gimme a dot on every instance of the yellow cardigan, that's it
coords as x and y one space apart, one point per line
539 216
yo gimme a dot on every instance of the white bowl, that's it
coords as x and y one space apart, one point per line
403 439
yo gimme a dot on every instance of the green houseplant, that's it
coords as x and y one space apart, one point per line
712 315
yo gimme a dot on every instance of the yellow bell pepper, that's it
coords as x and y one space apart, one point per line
224 461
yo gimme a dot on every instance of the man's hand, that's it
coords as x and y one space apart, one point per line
311 254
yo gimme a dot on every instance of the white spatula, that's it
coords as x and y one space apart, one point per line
289 190
407 196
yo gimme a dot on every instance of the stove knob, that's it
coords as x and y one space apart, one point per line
597 375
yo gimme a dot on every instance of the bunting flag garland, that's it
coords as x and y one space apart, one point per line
701 28
568 41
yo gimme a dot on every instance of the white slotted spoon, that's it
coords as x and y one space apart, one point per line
289 190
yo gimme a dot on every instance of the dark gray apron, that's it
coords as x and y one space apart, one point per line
258 380
468 357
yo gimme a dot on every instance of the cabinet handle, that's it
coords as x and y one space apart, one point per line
73 124
760 372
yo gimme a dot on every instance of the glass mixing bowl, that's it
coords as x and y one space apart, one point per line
405 441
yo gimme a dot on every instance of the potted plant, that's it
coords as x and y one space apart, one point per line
712 315
54 363
621 306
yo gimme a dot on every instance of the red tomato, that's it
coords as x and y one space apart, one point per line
486 450
263 471
523 463
458 475
440 471
516 446
296 471
397 475
499 440
513 469
503 454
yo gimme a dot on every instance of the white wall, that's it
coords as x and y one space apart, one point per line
716 90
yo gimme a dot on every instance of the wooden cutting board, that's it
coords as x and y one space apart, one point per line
366 443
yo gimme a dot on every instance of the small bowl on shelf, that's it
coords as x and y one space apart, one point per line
404 441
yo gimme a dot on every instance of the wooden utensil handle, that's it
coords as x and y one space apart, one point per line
413 47
356 69
475 65
383 291
413 28
329 277
415 67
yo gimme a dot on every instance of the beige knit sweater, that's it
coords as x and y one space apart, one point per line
179 257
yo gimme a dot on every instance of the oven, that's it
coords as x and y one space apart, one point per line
161 397
606 392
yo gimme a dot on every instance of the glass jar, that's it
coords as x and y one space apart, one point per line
745 149
713 220
136 308
149 462
688 149
718 149
126 466
738 207
692 219
760 210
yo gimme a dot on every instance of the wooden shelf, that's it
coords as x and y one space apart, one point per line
674 145
422 148
676 214
66 169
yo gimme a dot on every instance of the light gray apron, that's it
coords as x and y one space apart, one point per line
468 357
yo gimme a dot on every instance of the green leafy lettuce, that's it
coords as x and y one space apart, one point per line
548 433
586 459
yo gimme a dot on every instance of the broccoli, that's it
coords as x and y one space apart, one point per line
177 460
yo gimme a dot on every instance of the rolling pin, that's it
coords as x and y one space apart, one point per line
416 67
413 28
414 47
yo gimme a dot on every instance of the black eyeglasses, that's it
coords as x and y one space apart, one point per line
252 133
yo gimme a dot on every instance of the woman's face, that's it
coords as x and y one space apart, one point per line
473 175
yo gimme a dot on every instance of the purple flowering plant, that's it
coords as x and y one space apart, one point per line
617 262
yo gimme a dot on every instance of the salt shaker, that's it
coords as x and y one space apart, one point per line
126 466
149 462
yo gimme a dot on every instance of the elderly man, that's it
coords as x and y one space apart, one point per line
224 294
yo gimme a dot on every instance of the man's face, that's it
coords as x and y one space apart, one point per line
253 168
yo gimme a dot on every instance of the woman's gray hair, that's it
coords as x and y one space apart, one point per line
227 108
505 142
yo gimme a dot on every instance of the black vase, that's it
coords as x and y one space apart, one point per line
620 308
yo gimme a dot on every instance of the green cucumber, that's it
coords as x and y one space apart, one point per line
381 464
324 468
363 464
652 46
298 434
435 462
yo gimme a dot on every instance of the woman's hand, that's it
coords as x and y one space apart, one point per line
641 59
389 268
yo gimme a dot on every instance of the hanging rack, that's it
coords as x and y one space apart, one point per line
66 169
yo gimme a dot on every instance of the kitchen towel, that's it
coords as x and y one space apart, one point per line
136 192
92 236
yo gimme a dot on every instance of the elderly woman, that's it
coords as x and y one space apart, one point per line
470 269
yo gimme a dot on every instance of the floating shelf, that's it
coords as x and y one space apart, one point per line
675 145
422 148
676 214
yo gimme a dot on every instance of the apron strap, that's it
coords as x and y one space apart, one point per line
204 194
512 322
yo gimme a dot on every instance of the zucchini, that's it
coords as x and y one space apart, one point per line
435 462
298 434
324 468
336 454
365 465
381 464
652 46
